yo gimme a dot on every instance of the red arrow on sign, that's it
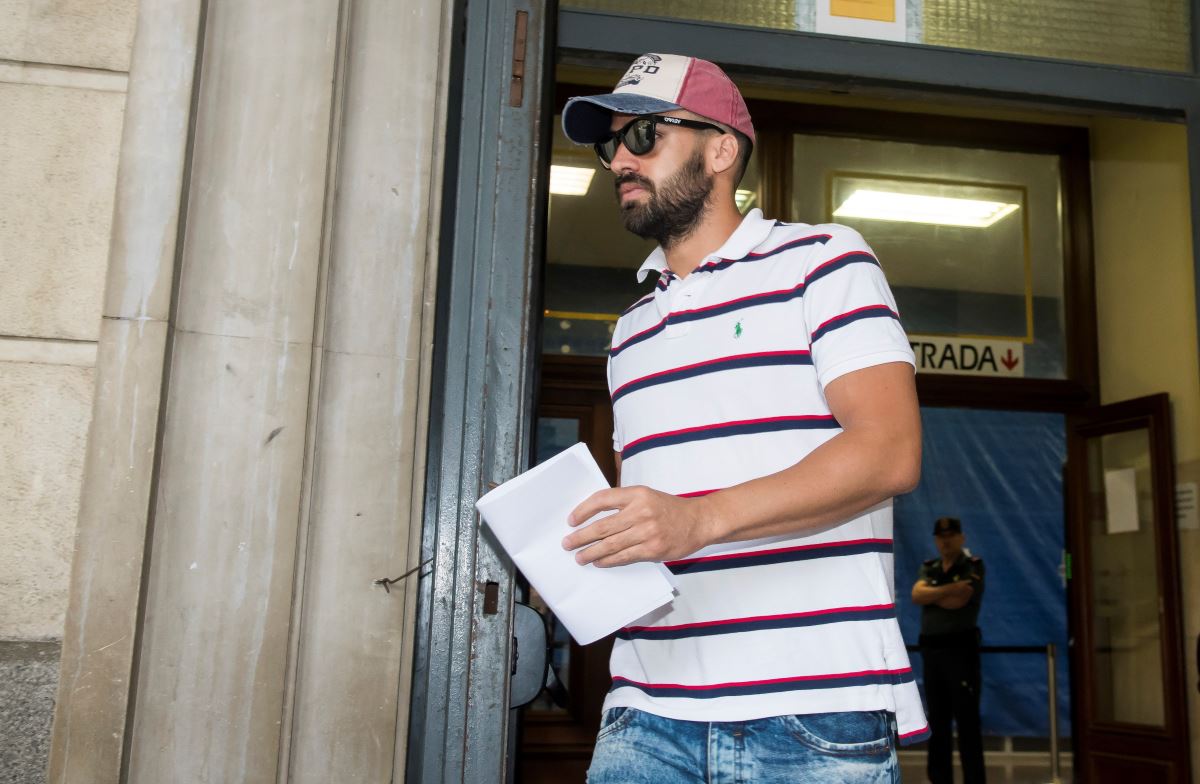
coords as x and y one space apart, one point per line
1009 361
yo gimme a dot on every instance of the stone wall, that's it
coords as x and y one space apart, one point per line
63 75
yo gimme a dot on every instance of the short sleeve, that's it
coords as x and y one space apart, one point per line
925 573
849 310
617 446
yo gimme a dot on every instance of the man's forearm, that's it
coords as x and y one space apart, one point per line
951 596
956 595
923 593
850 473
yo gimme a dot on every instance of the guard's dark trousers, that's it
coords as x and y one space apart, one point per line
952 682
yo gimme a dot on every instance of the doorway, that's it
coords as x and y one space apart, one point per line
1023 298
1001 473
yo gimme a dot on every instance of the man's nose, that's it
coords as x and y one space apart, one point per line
623 160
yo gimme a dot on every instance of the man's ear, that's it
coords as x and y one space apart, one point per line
723 153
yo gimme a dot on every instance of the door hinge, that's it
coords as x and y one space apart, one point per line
516 87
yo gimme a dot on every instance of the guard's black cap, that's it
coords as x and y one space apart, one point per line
947 525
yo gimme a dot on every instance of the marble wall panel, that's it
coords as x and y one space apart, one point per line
254 228
58 151
44 415
219 586
83 33
106 572
361 529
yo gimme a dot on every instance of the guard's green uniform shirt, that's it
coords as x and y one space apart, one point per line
937 620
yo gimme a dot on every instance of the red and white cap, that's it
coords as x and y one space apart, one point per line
659 83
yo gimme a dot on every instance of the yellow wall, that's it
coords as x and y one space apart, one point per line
1147 309
1144 270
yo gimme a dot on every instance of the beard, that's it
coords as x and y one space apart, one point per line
672 213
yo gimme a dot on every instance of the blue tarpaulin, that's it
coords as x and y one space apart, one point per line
1000 472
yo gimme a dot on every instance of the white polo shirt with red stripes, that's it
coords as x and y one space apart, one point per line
718 378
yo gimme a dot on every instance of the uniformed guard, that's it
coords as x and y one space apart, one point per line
949 590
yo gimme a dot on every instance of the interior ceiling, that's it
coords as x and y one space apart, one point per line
586 230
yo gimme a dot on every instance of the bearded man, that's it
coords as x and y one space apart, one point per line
765 415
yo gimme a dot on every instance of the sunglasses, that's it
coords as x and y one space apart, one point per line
639 134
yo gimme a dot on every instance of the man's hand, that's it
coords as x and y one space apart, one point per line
648 526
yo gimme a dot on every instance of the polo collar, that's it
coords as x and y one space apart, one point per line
751 233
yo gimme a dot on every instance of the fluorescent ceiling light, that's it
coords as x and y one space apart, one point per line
570 180
744 199
914 208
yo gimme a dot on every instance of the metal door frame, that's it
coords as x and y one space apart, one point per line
486 336
482 393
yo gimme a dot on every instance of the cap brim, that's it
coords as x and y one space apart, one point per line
587 119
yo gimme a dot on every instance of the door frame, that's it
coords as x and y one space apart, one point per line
485 334
482 391
1152 413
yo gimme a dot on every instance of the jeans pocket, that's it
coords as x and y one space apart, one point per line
865 733
614 720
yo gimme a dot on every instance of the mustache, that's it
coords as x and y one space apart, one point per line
636 179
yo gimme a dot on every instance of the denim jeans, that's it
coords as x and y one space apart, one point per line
635 747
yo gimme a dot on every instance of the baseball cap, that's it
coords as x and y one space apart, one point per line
659 83
947 525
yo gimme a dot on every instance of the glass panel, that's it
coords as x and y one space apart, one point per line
776 14
554 434
971 239
1127 678
1139 33
591 260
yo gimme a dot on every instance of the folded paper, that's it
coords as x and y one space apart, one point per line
529 515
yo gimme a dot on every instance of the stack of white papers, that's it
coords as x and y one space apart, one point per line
529 516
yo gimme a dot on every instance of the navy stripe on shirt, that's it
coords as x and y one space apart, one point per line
723 429
769 686
646 300
752 300
720 264
870 311
679 317
839 262
758 623
761 359
804 552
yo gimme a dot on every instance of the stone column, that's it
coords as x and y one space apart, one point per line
276 454
368 430
101 626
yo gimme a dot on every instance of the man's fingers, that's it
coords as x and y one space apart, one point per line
604 551
598 530
597 502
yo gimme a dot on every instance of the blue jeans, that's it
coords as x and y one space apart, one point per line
635 747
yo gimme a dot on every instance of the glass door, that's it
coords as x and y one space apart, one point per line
1131 722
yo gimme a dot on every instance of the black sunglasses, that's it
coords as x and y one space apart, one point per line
638 135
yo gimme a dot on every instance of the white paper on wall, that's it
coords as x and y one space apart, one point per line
1187 506
1120 497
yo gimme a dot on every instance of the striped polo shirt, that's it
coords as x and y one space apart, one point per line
718 378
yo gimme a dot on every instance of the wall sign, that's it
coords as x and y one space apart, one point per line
968 356
882 19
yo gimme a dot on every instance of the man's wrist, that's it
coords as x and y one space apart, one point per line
708 519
